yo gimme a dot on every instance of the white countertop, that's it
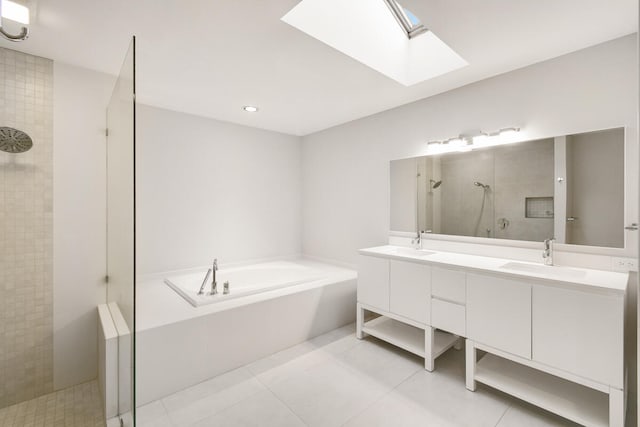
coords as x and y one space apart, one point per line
609 282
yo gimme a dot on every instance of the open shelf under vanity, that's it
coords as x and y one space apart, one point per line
422 340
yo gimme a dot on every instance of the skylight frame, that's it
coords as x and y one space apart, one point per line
399 13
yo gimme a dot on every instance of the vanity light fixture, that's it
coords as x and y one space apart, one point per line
456 141
468 143
250 109
14 12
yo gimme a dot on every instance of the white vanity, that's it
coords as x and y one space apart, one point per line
553 336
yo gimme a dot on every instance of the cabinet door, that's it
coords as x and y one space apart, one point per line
373 282
579 332
499 313
410 290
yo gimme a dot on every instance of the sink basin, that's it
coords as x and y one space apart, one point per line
550 271
412 252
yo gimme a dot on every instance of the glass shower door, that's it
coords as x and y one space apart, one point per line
121 127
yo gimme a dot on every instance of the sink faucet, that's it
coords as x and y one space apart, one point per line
214 284
417 241
547 254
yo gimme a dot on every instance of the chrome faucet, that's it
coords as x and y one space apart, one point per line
547 254
417 241
204 282
214 284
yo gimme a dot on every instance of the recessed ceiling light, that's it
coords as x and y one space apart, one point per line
250 109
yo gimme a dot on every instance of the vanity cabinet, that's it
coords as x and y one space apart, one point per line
579 332
373 282
409 290
551 336
499 313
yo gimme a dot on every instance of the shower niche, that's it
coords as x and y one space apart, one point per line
569 187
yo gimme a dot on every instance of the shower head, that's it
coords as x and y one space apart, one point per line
479 184
435 184
14 141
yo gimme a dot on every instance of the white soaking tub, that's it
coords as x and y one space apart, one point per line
243 281
272 306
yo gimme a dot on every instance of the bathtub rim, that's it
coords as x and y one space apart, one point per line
181 310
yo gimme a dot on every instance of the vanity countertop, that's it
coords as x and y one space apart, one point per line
601 281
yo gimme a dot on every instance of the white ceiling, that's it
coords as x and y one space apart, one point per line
210 57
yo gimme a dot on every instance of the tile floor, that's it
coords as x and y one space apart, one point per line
337 380
78 406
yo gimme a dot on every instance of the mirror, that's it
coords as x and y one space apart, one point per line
568 187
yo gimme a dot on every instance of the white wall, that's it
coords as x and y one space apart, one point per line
346 168
79 206
209 189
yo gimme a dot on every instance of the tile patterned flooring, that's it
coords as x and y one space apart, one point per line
337 380
78 406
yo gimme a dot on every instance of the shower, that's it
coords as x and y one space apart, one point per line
435 184
486 189
14 141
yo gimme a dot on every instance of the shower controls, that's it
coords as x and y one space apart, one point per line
225 288
503 223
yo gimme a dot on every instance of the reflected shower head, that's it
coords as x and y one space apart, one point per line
435 184
14 141
479 184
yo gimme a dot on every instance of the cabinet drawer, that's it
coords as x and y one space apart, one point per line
448 316
449 285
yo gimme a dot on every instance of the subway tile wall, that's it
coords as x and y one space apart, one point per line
26 230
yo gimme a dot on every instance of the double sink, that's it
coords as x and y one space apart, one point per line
550 271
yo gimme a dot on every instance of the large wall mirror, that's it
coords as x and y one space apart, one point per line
569 187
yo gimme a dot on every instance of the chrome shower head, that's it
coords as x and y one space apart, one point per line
14 141
435 184
479 184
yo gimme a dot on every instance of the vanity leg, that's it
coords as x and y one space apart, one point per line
470 357
458 344
616 408
429 336
359 321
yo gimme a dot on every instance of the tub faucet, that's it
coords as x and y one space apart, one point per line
214 284
204 282
547 254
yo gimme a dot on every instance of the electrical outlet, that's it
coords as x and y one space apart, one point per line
625 264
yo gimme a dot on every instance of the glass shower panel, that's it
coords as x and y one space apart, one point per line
121 228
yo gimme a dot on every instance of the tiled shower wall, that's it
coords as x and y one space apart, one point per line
26 230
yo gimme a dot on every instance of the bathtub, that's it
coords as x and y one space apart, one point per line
182 340
243 281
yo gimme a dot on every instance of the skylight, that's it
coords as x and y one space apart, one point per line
409 22
371 35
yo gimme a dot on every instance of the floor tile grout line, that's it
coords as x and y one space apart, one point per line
503 414
283 402
382 396
222 410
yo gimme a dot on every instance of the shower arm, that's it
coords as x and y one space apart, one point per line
24 33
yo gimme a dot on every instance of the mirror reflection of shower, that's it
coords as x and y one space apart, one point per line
485 188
